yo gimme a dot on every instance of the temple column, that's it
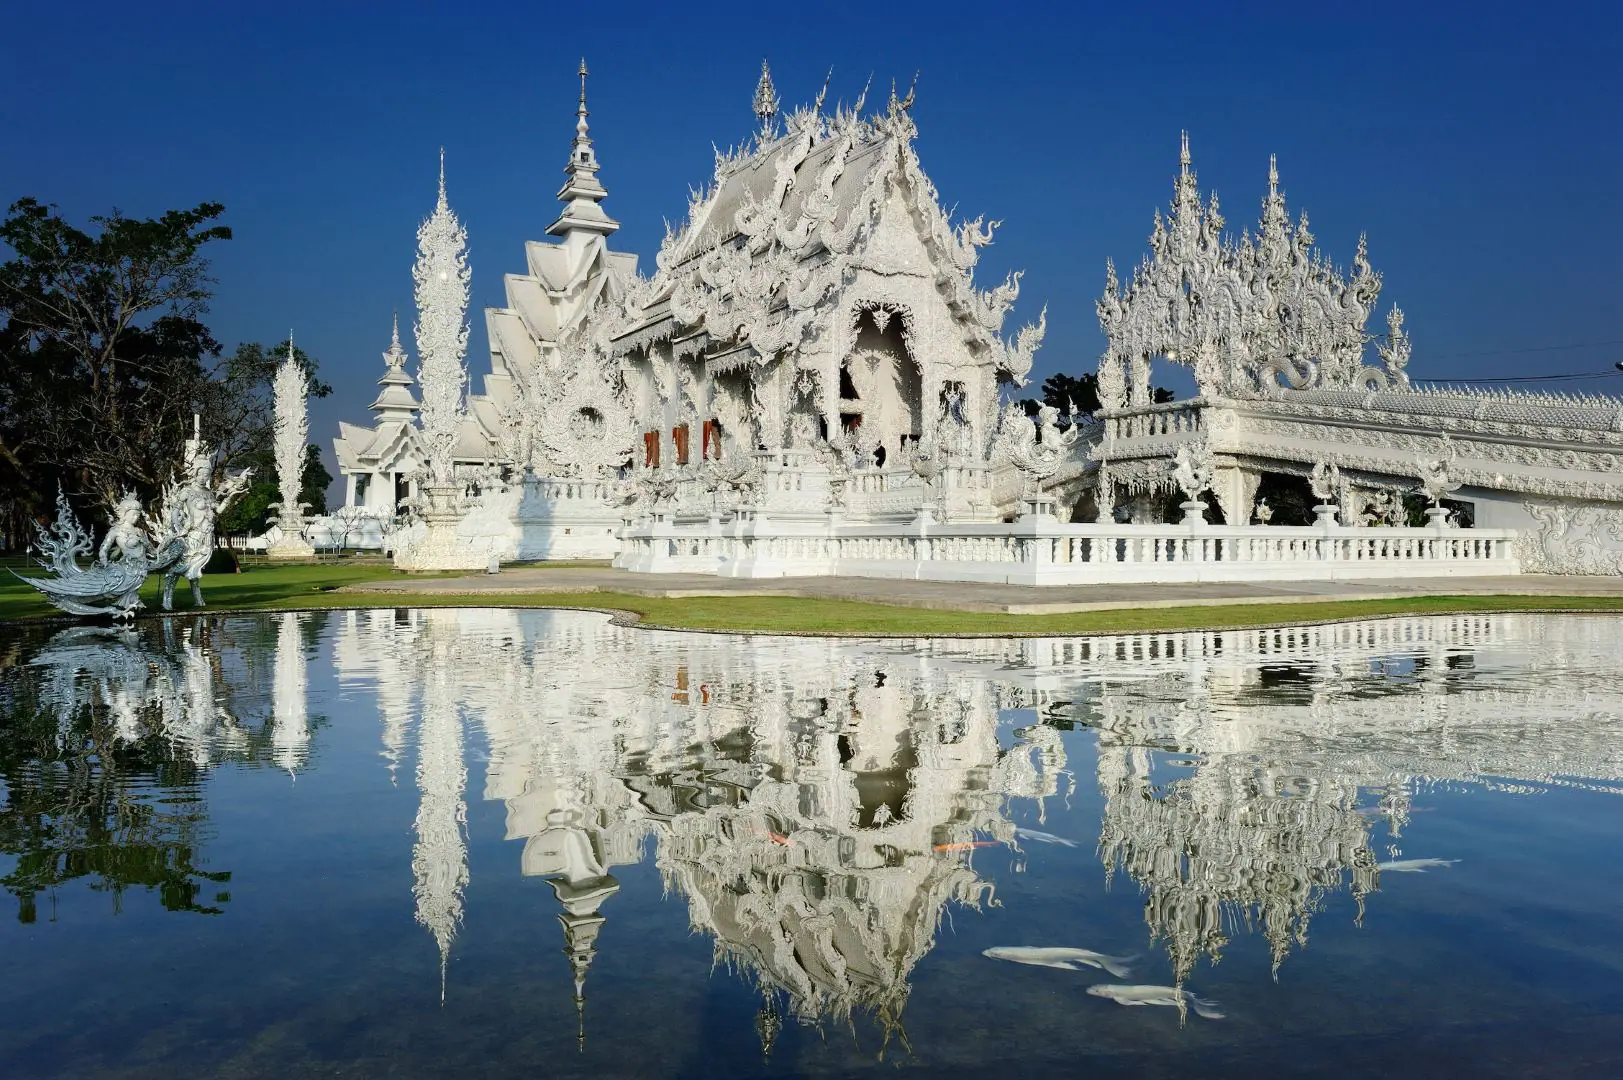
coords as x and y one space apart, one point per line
1235 489
349 489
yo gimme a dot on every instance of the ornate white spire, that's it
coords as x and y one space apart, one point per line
441 275
765 103
582 192
292 429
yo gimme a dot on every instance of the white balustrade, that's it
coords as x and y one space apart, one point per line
1042 551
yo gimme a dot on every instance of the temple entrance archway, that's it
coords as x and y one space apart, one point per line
881 388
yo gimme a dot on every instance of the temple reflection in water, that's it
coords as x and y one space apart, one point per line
819 804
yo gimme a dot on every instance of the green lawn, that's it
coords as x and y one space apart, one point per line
311 586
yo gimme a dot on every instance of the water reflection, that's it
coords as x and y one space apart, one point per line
105 735
819 806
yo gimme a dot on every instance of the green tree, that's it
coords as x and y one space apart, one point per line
104 357
1073 393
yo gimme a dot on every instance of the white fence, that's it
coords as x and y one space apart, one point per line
1037 550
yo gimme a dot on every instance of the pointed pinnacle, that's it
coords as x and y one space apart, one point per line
442 177
1273 175
1183 151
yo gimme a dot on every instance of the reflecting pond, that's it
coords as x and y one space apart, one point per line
503 843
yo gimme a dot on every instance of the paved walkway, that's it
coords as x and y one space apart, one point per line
1001 599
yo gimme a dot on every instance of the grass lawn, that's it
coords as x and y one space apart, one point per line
311 586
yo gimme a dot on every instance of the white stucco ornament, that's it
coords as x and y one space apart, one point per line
441 275
291 393
191 503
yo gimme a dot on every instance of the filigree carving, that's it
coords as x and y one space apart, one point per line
1248 316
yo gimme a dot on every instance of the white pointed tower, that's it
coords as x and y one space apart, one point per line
582 193
395 403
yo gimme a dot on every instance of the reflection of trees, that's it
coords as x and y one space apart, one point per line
106 737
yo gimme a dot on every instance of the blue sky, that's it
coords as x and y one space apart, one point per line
1480 146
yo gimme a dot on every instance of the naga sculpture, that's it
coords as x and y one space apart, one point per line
112 584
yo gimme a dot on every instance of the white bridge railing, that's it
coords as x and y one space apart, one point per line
1038 550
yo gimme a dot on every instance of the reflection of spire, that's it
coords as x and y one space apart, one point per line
439 859
290 721
580 945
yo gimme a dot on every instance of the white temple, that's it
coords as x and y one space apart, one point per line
811 382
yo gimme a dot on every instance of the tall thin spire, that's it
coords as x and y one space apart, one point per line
581 113
581 193
443 202
1183 153
1273 175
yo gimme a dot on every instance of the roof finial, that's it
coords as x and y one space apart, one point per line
766 98
443 201
394 337
1273 175
862 98
907 102
1183 153
290 344
580 124
822 95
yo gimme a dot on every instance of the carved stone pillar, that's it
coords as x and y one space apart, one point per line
1235 488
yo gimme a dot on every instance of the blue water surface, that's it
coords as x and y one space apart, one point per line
504 843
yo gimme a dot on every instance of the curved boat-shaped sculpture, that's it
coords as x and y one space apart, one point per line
112 584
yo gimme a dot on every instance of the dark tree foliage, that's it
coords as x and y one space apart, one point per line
1289 497
105 358
1071 393
103 354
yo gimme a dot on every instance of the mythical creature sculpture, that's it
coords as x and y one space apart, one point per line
190 506
1262 514
112 584
1437 474
734 469
1325 480
1192 469
1036 453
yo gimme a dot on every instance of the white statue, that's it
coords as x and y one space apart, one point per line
1263 513
112 584
1192 469
1037 454
1326 483
190 506
1250 317
1437 474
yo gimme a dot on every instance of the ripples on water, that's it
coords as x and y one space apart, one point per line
504 842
